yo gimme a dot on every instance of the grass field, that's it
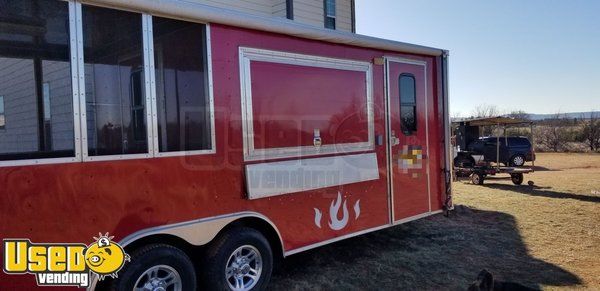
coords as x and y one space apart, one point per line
544 236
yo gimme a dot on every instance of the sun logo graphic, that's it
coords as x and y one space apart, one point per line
64 264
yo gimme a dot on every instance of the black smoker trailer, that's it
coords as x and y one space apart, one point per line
468 130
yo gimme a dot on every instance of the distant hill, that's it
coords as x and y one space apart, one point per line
577 115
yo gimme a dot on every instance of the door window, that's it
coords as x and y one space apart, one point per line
408 103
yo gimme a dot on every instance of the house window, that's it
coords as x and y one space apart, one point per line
330 14
35 81
114 82
2 119
289 9
408 103
182 90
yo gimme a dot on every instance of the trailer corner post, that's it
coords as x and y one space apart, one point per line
448 205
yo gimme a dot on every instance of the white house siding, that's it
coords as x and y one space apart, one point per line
58 76
20 106
312 12
279 8
344 15
305 11
262 7
20 134
309 12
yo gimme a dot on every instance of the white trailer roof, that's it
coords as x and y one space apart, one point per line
199 12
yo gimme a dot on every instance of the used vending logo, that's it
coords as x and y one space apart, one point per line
64 264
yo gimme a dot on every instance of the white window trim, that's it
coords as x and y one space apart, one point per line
79 98
247 55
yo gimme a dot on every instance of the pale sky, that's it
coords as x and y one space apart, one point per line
541 56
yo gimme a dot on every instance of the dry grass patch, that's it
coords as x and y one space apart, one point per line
558 218
546 236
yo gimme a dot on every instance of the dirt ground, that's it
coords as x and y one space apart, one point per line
544 236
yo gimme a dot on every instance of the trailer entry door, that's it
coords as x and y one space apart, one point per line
408 138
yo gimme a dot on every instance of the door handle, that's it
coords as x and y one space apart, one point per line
395 140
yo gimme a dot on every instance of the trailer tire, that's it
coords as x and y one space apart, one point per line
517 160
159 265
236 258
517 179
477 178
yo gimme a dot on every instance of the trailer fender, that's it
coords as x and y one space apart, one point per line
199 232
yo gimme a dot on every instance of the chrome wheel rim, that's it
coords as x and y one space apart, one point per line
518 161
159 278
243 268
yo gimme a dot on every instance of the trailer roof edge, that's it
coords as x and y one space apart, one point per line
201 12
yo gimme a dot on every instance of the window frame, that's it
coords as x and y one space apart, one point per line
247 55
79 96
156 148
150 96
74 56
83 100
327 16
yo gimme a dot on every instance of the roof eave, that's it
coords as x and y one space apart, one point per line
205 13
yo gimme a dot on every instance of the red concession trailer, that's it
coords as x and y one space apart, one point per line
199 136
